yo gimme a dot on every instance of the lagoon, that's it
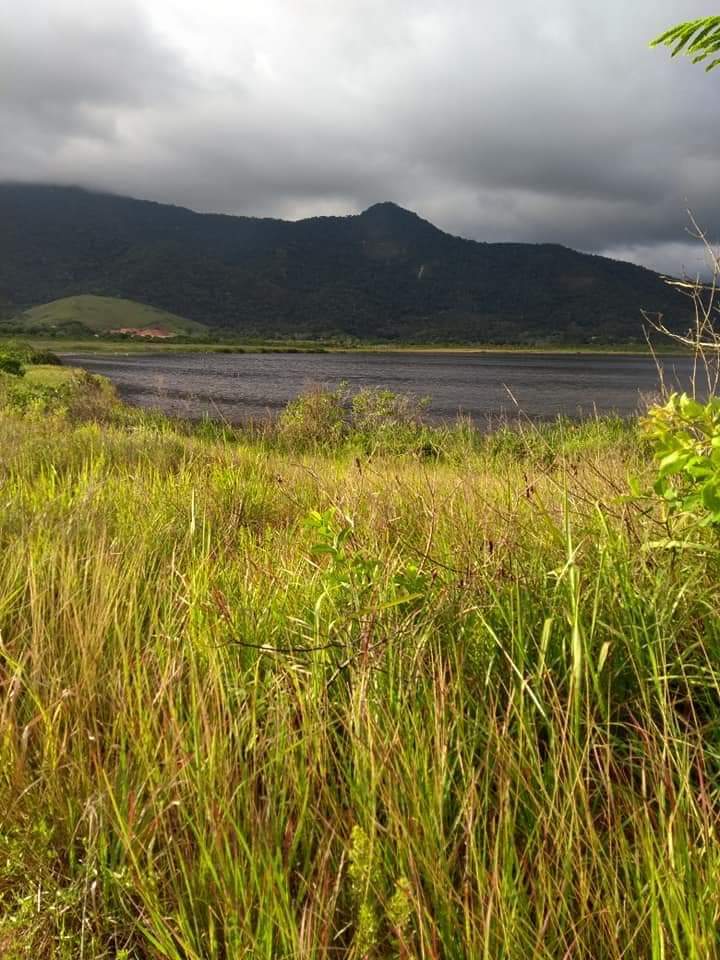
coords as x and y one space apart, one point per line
483 386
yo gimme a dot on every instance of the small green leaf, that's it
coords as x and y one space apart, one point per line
691 408
673 463
711 499
320 548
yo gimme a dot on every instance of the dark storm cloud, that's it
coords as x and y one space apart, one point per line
518 121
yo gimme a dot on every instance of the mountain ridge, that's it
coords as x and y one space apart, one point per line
384 273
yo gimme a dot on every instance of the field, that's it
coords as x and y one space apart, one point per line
401 695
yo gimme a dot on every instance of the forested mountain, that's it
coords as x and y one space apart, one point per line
383 274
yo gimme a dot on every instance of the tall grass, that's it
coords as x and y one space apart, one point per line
266 702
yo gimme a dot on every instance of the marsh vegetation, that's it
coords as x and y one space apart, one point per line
384 691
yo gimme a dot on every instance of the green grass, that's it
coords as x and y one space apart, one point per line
260 700
102 315
37 379
65 345
48 376
50 390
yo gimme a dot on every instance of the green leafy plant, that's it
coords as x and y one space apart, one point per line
378 919
685 435
698 39
399 909
347 569
365 878
352 574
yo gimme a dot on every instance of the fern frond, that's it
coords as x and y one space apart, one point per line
699 39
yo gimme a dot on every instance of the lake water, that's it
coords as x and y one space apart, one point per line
240 386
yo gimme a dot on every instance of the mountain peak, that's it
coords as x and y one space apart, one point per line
388 208
389 217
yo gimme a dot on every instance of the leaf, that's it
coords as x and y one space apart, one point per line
660 486
711 499
604 650
670 544
673 463
320 548
691 408
699 39
636 489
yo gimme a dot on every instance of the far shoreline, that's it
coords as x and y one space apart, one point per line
127 347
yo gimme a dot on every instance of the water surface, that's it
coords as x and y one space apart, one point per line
483 386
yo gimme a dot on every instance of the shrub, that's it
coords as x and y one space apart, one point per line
37 398
11 365
382 420
684 430
45 357
81 397
374 419
90 397
685 435
374 408
27 354
316 417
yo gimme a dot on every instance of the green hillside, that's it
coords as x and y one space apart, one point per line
102 315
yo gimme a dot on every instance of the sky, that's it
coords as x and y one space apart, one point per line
504 120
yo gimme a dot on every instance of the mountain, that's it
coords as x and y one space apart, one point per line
383 274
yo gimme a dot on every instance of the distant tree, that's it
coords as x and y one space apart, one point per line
697 39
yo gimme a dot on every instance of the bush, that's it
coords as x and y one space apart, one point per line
317 417
27 354
45 357
374 408
11 365
90 397
80 397
373 419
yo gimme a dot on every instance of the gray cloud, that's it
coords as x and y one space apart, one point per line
688 259
75 74
524 121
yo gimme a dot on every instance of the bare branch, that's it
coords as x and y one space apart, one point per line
703 337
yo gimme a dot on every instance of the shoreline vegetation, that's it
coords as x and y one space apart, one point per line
136 345
350 686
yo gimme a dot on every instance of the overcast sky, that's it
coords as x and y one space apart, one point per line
495 119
